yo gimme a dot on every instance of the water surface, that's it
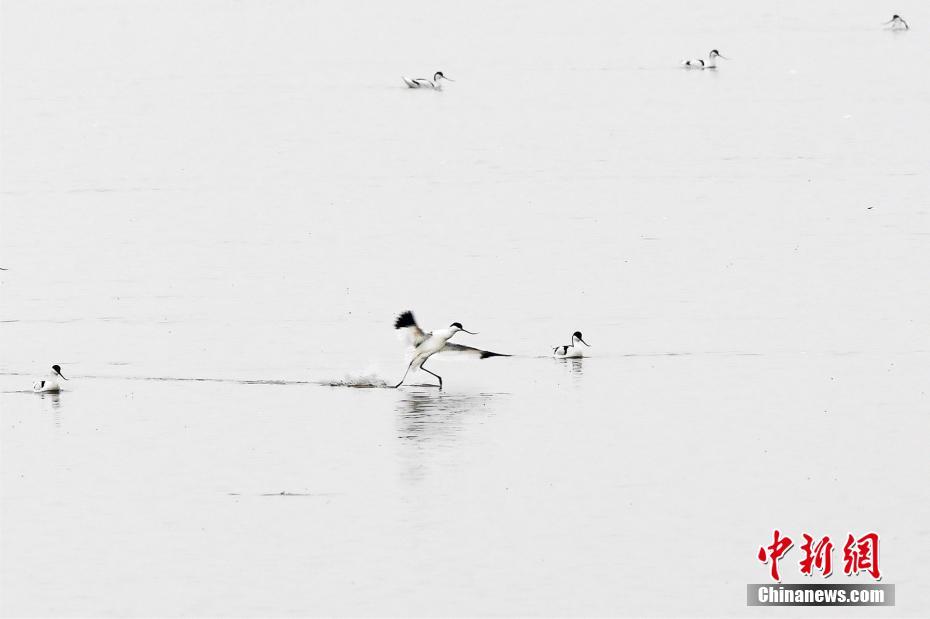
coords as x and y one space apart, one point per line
209 209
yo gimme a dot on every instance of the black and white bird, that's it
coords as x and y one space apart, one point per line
572 351
50 382
425 82
427 344
896 22
697 63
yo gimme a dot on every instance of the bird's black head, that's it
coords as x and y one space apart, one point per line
895 17
713 51
458 327
577 336
57 369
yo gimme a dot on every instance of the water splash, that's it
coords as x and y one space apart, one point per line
361 381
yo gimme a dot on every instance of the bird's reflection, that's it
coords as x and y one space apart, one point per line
431 421
432 415
53 398
575 366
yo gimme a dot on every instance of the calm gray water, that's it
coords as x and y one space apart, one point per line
245 192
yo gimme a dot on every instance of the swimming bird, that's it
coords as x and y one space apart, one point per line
425 345
697 63
422 82
571 351
50 383
897 22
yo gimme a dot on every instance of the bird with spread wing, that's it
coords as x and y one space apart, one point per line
425 345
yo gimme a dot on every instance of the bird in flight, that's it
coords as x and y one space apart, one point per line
426 344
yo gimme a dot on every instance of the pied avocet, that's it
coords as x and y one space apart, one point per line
423 82
50 382
897 22
697 63
572 350
425 345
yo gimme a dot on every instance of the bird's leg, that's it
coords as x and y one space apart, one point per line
405 374
434 374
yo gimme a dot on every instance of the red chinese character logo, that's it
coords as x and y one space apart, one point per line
819 555
861 555
779 547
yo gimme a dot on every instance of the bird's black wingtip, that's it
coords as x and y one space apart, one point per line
487 353
406 319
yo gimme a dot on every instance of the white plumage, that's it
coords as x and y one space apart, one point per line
573 350
425 82
897 22
50 382
426 344
697 63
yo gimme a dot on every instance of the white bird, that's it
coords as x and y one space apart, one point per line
572 351
50 383
897 22
697 63
425 345
423 82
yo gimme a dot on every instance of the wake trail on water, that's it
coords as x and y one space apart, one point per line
285 493
358 381
188 379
